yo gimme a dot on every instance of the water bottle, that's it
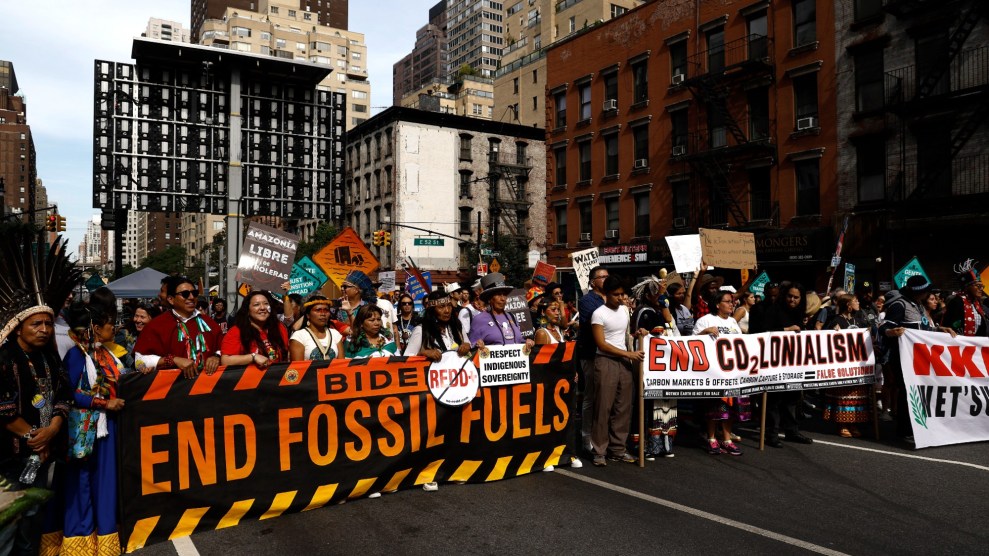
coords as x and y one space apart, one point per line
30 472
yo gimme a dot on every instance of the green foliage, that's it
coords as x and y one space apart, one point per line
169 261
128 269
466 70
325 232
514 258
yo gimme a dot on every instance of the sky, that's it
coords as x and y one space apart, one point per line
53 44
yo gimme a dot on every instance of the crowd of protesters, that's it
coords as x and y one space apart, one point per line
77 390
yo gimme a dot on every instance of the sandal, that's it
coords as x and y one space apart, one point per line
845 433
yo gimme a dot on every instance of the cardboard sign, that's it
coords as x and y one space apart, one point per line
302 282
266 257
504 365
849 277
517 306
724 249
543 274
912 268
583 262
686 252
346 252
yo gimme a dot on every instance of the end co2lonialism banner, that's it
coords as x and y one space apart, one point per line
744 364
247 444
947 381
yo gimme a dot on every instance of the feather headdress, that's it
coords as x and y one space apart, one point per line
32 282
966 272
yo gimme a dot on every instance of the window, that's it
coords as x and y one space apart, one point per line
611 154
870 156
869 80
760 194
355 55
279 43
573 23
465 214
389 185
681 203
758 43
640 82
584 149
515 85
359 94
521 154
717 132
804 22
865 9
465 178
611 86
805 95
931 52
758 100
678 127
585 217
808 187
535 74
465 150
640 140
617 10
611 213
584 92
291 13
718 209
678 58
300 46
265 36
561 223
716 50
560 102
641 214
359 107
560 162
240 31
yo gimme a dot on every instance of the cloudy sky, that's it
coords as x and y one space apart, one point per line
53 43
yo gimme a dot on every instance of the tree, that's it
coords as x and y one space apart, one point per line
325 233
169 261
466 70
128 269
513 258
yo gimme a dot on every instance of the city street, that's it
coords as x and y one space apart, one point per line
836 496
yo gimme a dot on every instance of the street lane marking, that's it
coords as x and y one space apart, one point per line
911 456
705 515
185 547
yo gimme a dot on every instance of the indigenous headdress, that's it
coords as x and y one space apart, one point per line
362 281
32 285
966 272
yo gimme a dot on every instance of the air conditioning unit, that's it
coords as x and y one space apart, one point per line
610 104
585 237
640 163
806 123
679 150
611 234
677 79
680 222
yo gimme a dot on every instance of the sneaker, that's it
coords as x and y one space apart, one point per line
735 438
713 447
575 463
650 456
669 455
625 458
430 487
549 469
599 461
730 448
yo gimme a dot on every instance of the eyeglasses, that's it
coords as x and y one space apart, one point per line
345 286
188 293
602 277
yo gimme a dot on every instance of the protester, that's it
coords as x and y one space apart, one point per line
653 314
407 320
703 289
549 322
966 313
684 319
724 410
746 300
291 313
91 476
257 337
181 338
439 331
614 367
586 352
127 336
357 292
219 314
847 406
316 339
787 314
495 327
369 337
759 314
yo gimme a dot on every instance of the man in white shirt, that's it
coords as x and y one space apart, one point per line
613 376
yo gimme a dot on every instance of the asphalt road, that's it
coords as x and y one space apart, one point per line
854 496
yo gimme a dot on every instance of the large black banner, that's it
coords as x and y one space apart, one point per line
246 444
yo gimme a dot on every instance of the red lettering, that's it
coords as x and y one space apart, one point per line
657 347
962 359
925 359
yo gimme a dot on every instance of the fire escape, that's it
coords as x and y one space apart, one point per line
718 144
940 103
509 206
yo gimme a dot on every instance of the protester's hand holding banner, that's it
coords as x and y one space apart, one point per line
947 382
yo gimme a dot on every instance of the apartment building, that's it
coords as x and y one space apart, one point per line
429 59
331 13
467 96
166 30
18 164
475 35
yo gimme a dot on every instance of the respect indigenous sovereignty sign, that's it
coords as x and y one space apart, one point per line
745 364
947 381
266 257
247 444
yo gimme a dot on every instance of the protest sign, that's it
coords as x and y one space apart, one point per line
387 280
504 365
724 249
313 268
517 306
758 286
686 252
912 268
849 278
583 262
344 253
302 282
246 443
543 274
947 390
745 364
266 257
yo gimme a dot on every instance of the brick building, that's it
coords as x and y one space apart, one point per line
18 165
677 116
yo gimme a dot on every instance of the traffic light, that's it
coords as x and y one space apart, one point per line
61 223
386 237
51 224
378 237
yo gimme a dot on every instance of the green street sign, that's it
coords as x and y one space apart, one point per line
428 241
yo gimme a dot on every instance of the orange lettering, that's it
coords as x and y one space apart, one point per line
230 422
467 418
520 410
286 437
387 408
541 427
431 438
150 458
560 420
204 455
322 411
495 435
362 434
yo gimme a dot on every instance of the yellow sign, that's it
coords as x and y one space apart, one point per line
345 253
243 290
745 276
495 266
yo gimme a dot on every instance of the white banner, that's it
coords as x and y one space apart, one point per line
744 364
947 382
501 365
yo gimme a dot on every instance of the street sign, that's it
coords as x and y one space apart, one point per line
482 269
487 252
495 266
428 241
912 268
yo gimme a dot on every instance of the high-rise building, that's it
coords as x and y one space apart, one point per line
164 230
165 30
198 231
475 35
429 59
278 29
331 13
520 81
18 170
468 95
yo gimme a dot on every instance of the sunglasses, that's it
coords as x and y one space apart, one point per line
404 303
188 293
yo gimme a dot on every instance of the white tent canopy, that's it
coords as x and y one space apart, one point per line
143 283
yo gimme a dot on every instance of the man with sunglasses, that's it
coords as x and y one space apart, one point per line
182 338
